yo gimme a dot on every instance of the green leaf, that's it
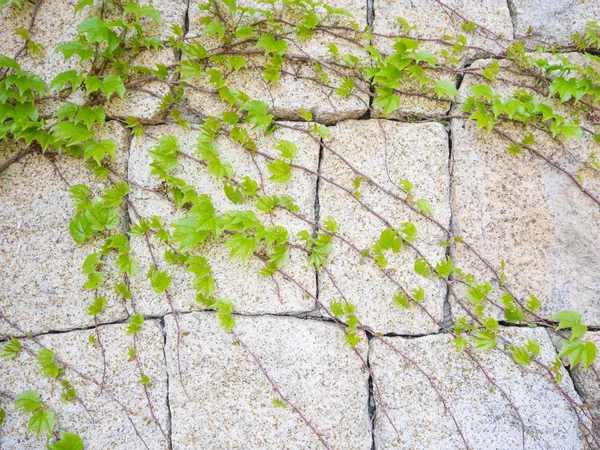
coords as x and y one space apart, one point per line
241 245
421 267
389 240
280 171
272 45
521 355
135 323
71 77
68 441
446 89
187 234
28 401
484 341
444 267
189 69
588 355
99 149
11 349
566 319
109 85
160 280
97 306
101 218
288 149
278 403
114 197
387 100
42 420
306 115
224 310
233 194
345 89
401 300
336 308
45 358
532 304
10 63
424 206
71 133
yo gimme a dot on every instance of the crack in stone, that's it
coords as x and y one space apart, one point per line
168 400
513 17
447 319
372 410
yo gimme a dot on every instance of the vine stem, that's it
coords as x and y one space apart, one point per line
124 408
169 299
102 350
278 391
378 337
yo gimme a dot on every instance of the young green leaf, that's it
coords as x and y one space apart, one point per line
11 349
28 401
68 441
280 171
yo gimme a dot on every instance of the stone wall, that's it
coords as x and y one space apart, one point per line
207 392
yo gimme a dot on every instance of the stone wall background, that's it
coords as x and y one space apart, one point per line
514 209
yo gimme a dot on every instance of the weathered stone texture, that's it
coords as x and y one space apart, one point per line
242 284
56 22
229 401
483 414
41 284
433 21
587 383
386 152
555 22
295 90
110 428
520 209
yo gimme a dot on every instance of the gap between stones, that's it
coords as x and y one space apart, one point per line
168 396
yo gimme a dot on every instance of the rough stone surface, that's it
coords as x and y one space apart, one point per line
230 400
518 208
587 383
243 285
416 152
110 427
41 284
294 90
53 26
553 22
485 417
56 23
432 21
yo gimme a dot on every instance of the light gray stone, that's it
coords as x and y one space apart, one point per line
146 103
250 292
586 382
484 416
554 23
230 399
56 22
432 21
519 209
418 152
294 90
41 283
110 427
